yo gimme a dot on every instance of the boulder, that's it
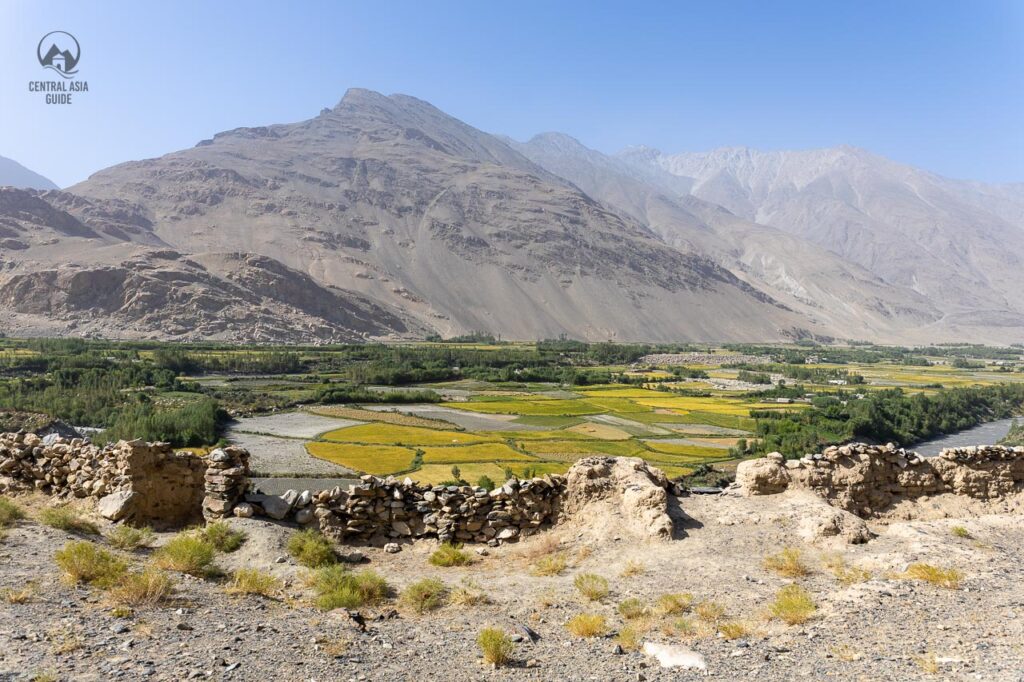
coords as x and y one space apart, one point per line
116 506
762 476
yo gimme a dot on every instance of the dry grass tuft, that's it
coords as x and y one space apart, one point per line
186 553
496 646
253 581
844 573
787 563
65 641
424 595
734 629
673 604
20 596
631 636
709 611
130 538
793 605
469 594
927 663
591 586
587 625
948 578
845 653
66 519
223 537
448 555
550 565
960 532
632 608
633 568
148 588
9 513
338 588
84 562
311 549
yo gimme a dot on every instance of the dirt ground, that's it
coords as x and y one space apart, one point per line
874 624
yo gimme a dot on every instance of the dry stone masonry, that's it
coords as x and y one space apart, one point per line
144 482
868 479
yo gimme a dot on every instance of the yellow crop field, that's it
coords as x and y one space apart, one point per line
481 452
599 431
575 449
379 460
683 449
387 434
622 393
530 407
385 416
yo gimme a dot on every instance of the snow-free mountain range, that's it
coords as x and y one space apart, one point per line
385 218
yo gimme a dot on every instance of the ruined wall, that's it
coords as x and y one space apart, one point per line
381 510
132 480
867 479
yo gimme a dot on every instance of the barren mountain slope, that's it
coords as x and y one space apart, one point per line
836 294
960 244
390 197
95 268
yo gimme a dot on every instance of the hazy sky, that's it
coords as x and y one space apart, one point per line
936 84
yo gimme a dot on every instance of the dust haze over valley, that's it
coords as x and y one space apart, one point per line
386 218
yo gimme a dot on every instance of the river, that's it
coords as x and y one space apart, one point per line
984 434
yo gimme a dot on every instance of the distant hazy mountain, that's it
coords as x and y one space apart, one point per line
394 201
13 174
386 218
960 244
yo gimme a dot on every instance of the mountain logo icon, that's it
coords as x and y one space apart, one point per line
59 50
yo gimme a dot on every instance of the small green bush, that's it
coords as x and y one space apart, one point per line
223 537
793 605
425 595
591 586
338 588
129 538
85 562
448 555
9 513
186 553
632 608
311 549
587 625
496 646
64 518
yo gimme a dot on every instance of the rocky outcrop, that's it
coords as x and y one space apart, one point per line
868 479
633 486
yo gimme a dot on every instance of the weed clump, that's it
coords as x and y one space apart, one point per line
709 611
9 513
733 629
65 518
591 586
673 604
448 555
186 553
633 568
496 646
130 538
948 578
960 532
148 588
338 588
587 625
425 595
632 608
84 562
550 565
223 537
793 605
253 581
311 549
787 563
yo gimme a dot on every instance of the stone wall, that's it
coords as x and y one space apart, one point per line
868 479
130 480
382 510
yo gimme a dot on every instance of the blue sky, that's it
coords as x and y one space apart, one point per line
935 84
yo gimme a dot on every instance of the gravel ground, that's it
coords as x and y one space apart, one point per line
299 424
275 456
884 628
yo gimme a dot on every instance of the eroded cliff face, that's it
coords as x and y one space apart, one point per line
871 480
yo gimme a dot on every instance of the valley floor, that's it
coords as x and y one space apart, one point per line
874 625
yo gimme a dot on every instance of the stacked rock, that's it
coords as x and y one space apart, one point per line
225 481
382 509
